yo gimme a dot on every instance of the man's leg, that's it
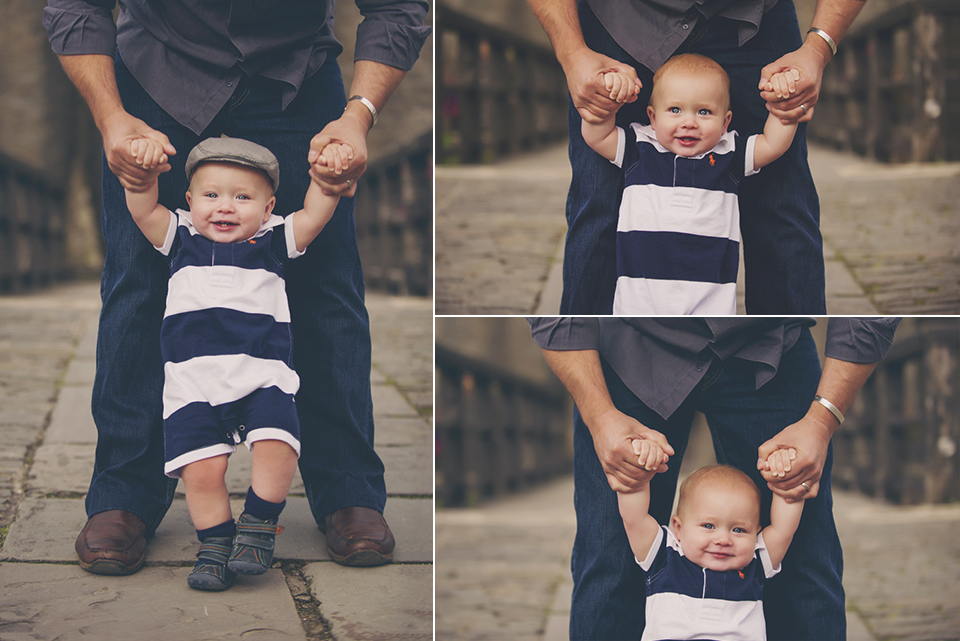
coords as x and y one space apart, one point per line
806 600
609 589
593 202
779 208
331 333
129 493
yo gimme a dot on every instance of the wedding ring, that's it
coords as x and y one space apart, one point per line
804 484
348 183
804 107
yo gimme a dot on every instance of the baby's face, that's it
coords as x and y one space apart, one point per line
228 202
690 114
717 527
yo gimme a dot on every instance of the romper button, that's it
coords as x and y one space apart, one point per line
686 26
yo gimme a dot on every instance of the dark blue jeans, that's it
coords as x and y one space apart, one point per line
779 209
331 331
805 600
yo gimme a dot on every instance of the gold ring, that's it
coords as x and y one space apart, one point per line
804 107
804 484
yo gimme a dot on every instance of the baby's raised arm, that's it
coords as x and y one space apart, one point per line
784 517
602 136
152 218
641 528
318 207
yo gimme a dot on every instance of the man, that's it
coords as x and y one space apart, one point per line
751 40
760 386
180 72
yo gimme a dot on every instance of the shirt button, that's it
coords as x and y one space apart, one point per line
686 26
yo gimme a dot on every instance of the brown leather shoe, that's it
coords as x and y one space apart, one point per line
359 536
112 542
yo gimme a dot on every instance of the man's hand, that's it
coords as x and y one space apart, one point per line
119 131
347 130
584 72
810 64
613 435
810 437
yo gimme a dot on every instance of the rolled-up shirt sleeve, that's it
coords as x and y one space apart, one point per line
78 28
392 32
860 340
565 334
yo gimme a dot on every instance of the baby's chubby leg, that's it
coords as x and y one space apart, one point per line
206 490
274 464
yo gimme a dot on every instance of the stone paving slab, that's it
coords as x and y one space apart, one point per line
392 601
52 602
45 530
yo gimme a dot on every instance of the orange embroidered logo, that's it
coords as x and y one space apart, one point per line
712 163
740 572
252 241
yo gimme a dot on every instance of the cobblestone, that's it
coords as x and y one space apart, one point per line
891 234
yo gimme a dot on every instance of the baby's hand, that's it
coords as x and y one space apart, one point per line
620 86
783 84
336 156
650 456
780 461
148 153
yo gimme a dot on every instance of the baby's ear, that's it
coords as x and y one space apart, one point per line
726 121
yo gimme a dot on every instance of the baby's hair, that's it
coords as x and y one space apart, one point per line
725 475
693 63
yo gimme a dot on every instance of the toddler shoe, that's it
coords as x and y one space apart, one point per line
253 545
211 573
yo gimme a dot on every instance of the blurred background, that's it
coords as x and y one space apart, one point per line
50 163
504 493
884 151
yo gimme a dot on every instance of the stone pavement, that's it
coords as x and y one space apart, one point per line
503 569
891 235
47 342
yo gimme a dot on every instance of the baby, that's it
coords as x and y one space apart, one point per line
706 572
678 233
226 341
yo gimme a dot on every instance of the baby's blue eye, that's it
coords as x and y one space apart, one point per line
704 112
708 526
674 110
739 530
210 194
243 197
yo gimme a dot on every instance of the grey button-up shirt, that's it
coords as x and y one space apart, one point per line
652 30
661 360
189 54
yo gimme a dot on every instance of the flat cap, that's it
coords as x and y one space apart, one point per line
235 150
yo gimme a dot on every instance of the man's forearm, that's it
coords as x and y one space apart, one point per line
581 373
562 23
94 77
834 17
839 384
374 81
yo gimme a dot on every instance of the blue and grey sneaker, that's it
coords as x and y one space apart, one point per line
253 545
211 572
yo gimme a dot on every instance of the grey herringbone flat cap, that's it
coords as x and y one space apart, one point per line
235 150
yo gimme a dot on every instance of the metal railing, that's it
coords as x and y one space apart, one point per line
495 431
497 94
893 90
394 217
32 227
900 440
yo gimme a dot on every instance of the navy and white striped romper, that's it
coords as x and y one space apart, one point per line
678 234
226 343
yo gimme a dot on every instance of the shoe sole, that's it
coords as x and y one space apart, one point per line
207 583
362 558
249 569
112 567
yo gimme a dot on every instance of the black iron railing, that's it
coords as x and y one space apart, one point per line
32 227
900 440
394 216
495 431
497 93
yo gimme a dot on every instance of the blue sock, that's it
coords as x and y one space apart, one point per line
227 528
261 509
